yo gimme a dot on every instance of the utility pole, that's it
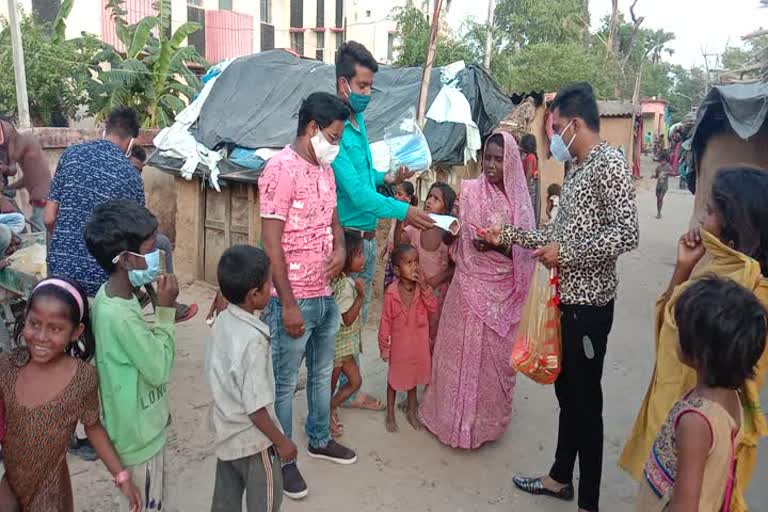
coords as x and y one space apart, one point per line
20 74
489 36
421 111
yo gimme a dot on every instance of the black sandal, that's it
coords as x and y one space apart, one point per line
536 487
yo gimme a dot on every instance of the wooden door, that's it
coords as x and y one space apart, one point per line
231 217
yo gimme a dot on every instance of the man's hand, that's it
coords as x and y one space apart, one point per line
167 290
360 287
419 218
403 173
293 321
548 255
335 263
491 236
287 450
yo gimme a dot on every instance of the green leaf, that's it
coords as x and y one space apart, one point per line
173 103
59 24
141 34
184 31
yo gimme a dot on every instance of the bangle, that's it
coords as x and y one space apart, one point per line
121 478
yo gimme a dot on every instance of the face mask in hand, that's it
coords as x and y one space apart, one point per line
140 278
559 149
324 151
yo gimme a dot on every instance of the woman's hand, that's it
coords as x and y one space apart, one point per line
491 236
293 321
690 250
133 494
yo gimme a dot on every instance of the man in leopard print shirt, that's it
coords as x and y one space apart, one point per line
596 223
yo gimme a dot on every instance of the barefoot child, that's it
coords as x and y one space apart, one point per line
134 359
432 246
349 294
48 386
403 192
663 172
249 440
404 333
722 330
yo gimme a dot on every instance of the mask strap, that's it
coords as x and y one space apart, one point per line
572 138
130 147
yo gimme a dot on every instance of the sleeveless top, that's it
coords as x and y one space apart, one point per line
660 471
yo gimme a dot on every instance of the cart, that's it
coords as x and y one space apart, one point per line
27 267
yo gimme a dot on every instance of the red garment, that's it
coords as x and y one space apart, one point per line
404 337
531 162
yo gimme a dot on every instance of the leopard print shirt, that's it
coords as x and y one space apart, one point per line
596 223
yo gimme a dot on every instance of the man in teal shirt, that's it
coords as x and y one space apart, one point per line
359 204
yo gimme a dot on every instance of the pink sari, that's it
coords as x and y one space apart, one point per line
469 399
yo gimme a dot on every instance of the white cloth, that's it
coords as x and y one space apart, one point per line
238 365
451 106
177 142
446 223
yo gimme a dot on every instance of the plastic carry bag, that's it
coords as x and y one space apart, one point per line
538 345
407 145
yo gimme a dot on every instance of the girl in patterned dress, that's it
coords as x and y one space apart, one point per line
722 331
349 294
47 386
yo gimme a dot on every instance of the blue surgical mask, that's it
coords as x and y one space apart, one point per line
559 149
143 277
357 102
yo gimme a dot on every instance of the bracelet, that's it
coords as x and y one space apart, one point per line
121 478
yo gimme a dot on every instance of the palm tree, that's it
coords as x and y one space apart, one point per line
151 75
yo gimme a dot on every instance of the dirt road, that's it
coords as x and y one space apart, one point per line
411 471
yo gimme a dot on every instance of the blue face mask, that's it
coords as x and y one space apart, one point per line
140 278
559 149
357 102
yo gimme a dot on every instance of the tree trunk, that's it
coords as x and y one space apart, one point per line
613 28
489 36
421 111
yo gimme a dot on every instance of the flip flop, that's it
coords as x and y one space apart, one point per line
184 312
370 404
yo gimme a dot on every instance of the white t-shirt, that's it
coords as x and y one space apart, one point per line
238 365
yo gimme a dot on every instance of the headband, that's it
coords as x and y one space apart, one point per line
59 283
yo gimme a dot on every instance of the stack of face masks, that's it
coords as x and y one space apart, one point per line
407 145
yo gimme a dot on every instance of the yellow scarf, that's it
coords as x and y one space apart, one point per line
671 378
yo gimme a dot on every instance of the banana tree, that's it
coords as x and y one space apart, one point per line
152 73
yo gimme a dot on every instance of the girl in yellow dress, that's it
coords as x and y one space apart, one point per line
734 239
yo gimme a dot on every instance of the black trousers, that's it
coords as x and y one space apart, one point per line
579 392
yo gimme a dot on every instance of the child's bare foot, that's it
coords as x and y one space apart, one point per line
337 428
413 419
391 424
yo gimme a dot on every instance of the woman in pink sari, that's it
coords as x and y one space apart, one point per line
469 399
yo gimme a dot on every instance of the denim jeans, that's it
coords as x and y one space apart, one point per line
36 219
10 224
370 252
318 347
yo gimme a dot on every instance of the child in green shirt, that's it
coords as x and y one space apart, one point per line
133 358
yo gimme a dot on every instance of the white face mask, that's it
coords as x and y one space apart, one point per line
325 152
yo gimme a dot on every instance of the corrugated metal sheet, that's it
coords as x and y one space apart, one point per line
227 35
136 10
616 108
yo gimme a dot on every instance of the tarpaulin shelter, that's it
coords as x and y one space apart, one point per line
254 104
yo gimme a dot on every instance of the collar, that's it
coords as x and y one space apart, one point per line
394 290
360 122
249 318
593 153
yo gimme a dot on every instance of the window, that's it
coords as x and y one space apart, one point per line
297 42
225 5
339 13
297 13
320 13
267 37
320 45
367 14
195 3
197 39
391 47
266 11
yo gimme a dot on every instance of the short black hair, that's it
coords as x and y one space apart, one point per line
722 329
123 122
400 251
739 198
353 243
323 108
449 195
139 153
528 143
553 190
578 100
115 227
351 54
242 268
